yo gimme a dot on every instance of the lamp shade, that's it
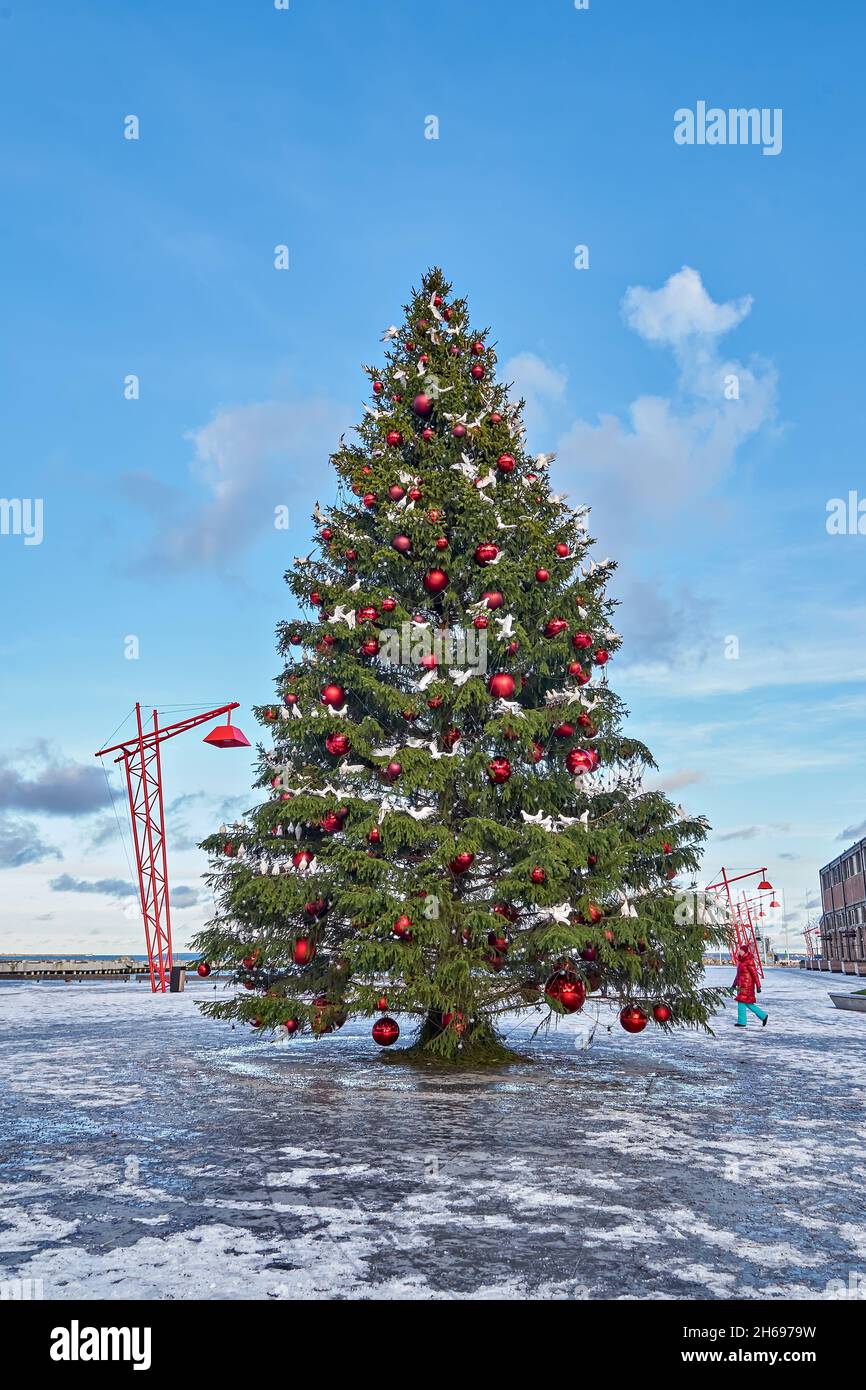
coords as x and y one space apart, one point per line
765 885
227 736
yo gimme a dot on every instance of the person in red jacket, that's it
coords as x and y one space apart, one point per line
746 981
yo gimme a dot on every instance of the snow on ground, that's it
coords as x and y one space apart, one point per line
146 1152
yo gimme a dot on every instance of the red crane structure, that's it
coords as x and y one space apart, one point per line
739 911
143 768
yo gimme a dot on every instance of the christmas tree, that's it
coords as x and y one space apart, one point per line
454 826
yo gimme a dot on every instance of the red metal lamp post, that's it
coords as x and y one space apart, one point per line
141 763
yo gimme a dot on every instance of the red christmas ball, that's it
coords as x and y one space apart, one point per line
396 492
661 1013
318 908
537 751
493 599
505 463
538 875
303 950
501 685
229 849
459 431
385 1031
369 499
589 953
326 533
633 1019
338 744
495 418
581 640
435 581
378 388
403 925
393 770
382 1003
562 550
499 770
388 605
414 494
428 434
506 910
331 823
375 835
422 405
555 627
394 438
402 543
450 737
579 760
456 1019
334 695
486 553
480 622
497 941
462 862
564 731
601 656
477 371
291 1025
370 647
351 554
542 576
203 969
478 349
442 543
429 662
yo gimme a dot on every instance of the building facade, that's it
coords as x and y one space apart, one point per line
843 906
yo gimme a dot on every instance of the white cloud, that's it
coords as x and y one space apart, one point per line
248 460
538 383
680 309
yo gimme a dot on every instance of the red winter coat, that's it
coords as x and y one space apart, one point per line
746 981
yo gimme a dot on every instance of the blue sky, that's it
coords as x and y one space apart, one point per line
306 128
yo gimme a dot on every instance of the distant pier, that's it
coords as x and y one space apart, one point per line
68 968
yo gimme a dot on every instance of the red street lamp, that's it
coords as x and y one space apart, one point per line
141 763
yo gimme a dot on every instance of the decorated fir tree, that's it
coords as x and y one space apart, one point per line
453 826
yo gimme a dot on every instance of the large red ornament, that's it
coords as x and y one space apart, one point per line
567 990
601 656
375 835
331 823
402 543
385 1031
388 605
542 576
562 550
633 1019
338 744
367 614
661 1013
203 969
555 627
435 581
581 760
538 875
501 685
393 770
422 405
334 695
478 371
370 647
394 438
462 863
492 598
291 1025
303 950
403 925
499 770
486 553
581 640
369 499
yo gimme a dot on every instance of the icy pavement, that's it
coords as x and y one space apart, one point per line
149 1153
